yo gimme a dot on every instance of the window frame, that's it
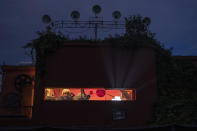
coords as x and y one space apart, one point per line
93 87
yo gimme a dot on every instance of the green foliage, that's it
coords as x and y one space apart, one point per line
176 79
177 88
137 34
138 28
48 42
175 111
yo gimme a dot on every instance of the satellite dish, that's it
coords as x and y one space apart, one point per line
75 15
147 21
46 19
96 9
116 14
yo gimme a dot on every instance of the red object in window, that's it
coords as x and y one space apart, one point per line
100 93
91 92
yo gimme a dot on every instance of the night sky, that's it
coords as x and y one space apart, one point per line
173 21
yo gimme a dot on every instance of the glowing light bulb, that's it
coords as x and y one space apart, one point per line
116 98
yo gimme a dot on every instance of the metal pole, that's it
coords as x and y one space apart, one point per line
95 31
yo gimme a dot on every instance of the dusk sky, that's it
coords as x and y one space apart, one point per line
173 21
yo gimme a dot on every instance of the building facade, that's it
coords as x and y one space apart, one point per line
83 85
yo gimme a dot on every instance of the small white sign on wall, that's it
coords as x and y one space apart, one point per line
119 115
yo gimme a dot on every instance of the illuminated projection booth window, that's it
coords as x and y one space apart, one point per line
92 94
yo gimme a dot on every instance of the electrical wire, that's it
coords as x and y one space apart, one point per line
74 32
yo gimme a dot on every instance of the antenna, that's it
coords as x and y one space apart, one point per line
94 22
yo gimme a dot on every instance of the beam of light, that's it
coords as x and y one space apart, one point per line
126 68
108 64
146 83
141 68
117 63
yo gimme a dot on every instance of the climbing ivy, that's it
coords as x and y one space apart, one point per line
47 42
177 92
176 79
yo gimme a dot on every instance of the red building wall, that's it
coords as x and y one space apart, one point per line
87 65
8 86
